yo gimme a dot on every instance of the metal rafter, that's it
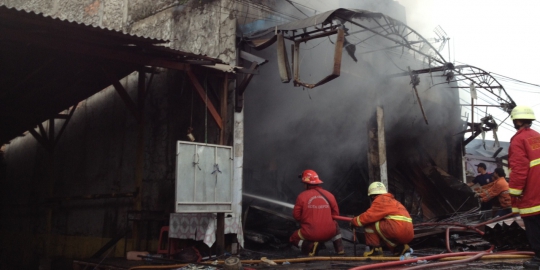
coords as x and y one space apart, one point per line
407 38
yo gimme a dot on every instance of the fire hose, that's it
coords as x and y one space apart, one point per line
425 258
450 258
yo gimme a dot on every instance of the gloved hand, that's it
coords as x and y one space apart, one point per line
477 195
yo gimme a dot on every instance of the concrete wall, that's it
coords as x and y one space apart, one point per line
200 27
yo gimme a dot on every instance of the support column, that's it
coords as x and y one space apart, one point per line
220 228
377 148
139 165
223 108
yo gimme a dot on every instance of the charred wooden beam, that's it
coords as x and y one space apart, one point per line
43 141
247 79
338 52
223 108
202 94
283 61
414 83
130 104
64 125
239 93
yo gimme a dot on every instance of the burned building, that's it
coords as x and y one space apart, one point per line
344 77
97 96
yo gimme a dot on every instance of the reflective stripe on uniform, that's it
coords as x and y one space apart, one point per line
535 162
300 235
358 221
300 243
515 210
398 217
382 236
529 210
515 192
336 237
369 230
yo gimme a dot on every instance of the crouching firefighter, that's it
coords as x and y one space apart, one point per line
314 209
386 221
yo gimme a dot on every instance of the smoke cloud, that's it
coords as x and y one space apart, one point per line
289 129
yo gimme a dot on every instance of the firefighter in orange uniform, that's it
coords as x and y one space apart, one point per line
497 192
385 221
314 209
524 164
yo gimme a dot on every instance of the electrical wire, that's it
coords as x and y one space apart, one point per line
240 13
510 78
268 9
292 4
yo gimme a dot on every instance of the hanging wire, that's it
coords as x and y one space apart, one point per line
206 109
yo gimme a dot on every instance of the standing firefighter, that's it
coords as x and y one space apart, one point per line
386 221
314 209
524 163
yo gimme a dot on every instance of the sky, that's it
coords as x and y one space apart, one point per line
494 35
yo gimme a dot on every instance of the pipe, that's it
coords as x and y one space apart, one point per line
342 218
495 256
463 227
424 266
458 228
413 260
290 260
459 256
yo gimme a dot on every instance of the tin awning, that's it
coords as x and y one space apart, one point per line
50 64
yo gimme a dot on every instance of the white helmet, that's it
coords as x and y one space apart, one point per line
376 188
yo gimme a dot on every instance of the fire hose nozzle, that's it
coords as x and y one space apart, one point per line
342 218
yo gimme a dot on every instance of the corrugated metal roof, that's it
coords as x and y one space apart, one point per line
6 11
264 38
476 148
46 58
224 68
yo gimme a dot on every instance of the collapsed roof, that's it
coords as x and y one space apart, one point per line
366 25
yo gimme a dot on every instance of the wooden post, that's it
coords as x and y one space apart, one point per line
50 193
220 234
224 109
377 148
139 165
382 146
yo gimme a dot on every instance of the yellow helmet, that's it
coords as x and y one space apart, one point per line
522 112
376 188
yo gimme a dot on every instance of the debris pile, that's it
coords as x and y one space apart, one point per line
507 234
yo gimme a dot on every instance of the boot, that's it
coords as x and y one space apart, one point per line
532 264
402 249
374 252
338 246
310 248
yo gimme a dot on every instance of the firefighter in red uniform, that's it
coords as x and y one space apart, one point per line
314 209
524 163
386 221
